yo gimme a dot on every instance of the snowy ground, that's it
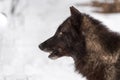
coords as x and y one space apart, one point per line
33 22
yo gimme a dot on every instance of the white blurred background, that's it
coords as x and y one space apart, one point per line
24 24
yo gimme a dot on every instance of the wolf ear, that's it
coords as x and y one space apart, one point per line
74 11
76 18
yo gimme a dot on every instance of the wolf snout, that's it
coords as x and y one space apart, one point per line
44 47
41 47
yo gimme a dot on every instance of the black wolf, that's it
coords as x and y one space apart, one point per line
94 48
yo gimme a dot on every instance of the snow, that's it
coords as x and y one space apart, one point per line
33 22
3 21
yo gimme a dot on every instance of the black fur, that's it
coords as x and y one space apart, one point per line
94 48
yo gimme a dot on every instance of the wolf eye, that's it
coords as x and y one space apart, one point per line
60 34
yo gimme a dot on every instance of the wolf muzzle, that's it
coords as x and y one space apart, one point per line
41 47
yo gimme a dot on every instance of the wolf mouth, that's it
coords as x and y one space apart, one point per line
53 54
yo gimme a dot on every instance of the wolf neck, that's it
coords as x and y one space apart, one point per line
93 29
98 37
89 27
92 44
96 56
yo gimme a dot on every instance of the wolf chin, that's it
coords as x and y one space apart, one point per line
94 48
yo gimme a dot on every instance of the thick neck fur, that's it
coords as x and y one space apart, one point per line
100 57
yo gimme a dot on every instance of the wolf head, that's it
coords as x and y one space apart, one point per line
68 39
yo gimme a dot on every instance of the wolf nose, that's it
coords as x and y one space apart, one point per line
41 47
